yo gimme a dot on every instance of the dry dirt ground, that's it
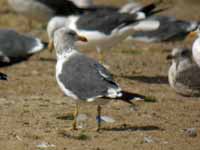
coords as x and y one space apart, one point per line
33 110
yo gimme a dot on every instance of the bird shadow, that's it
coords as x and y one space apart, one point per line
130 96
149 80
125 127
66 117
48 59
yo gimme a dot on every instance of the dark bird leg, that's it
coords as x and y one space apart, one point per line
98 118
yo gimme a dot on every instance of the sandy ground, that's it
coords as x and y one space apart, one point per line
34 110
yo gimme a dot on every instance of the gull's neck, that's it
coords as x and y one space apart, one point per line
66 53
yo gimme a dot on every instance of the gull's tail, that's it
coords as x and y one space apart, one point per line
129 97
38 46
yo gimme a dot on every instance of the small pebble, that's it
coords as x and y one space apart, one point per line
82 121
82 117
45 145
191 132
148 140
106 119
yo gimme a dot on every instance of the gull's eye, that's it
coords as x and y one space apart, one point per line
185 53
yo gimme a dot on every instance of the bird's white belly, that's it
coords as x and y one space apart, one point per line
98 40
172 76
196 52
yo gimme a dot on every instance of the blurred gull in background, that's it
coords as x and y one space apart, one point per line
170 29
14 45
43 10
102 29
184 73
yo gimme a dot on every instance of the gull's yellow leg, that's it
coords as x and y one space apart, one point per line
74 124
101 57
98 118
50 46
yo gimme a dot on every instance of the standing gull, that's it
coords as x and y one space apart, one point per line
170 29
14 45
184 73
80 77
102 18
196 46
102 30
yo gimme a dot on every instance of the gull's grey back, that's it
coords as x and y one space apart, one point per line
86 77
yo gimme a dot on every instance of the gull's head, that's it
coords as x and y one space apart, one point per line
54 24
65 38
195 32
180 54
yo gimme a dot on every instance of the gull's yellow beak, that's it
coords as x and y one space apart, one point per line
50 46
82 38
193 34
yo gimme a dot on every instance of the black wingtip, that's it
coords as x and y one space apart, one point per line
3 76
158 11
130 97
45 44
150 9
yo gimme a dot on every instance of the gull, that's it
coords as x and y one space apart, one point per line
196 46
184 73
14 45
102 30
170 29
80 77
3 76
44 10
